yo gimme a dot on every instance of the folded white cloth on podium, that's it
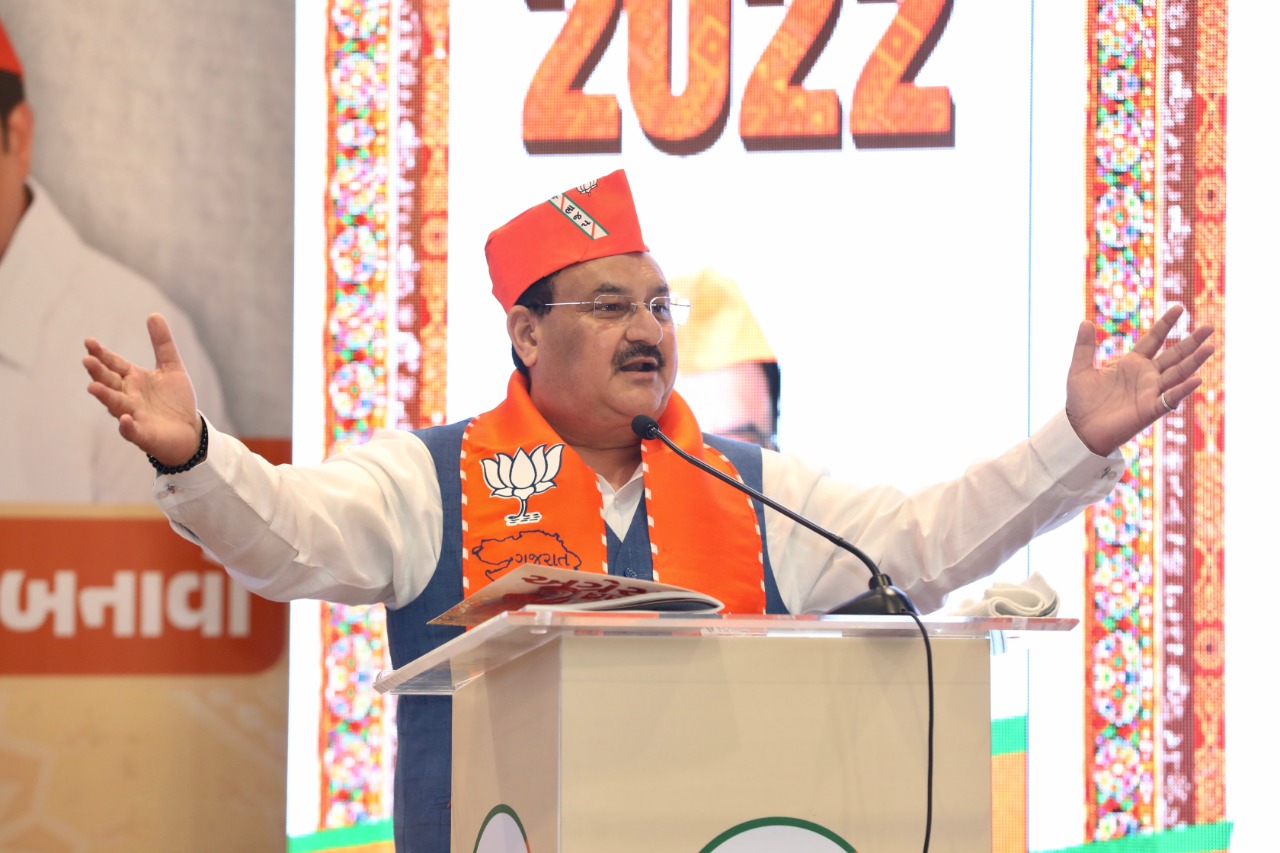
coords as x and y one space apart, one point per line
1032 597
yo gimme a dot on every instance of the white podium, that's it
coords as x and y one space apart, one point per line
617 732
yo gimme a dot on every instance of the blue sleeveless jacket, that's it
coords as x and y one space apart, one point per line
424 724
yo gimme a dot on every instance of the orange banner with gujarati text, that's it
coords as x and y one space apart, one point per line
114 591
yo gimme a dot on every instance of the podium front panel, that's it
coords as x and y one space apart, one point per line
642 743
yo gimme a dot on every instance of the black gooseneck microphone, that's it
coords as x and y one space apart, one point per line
882 599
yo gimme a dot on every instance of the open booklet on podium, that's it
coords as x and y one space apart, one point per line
543 588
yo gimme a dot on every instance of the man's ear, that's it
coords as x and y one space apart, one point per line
523 329
21 126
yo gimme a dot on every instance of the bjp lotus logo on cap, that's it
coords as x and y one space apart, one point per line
586 188
521 476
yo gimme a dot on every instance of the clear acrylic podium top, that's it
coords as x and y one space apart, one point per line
509 635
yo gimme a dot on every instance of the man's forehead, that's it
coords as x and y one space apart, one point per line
626 274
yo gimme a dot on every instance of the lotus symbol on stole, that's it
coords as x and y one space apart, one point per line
521 477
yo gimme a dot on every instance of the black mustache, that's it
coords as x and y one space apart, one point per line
639 350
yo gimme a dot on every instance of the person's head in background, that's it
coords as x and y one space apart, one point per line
16 124
728 372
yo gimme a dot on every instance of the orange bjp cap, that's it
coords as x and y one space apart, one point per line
8 56
593 220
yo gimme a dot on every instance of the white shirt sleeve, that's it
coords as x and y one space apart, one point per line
366 526
935 540
363 527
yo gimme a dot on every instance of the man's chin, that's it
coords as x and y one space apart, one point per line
656 379
646 398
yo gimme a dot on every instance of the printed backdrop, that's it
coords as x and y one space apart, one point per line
907 221
900 191
142 696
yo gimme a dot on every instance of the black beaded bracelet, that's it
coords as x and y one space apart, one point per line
203 451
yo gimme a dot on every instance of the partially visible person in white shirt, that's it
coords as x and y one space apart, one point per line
56 446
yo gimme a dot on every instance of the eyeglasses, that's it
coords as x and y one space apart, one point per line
613 307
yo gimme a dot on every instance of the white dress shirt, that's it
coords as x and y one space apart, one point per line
57 443
366 526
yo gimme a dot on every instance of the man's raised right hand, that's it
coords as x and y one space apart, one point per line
156 409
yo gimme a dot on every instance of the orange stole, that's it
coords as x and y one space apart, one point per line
527 498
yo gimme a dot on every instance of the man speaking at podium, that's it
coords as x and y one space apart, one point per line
402 519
